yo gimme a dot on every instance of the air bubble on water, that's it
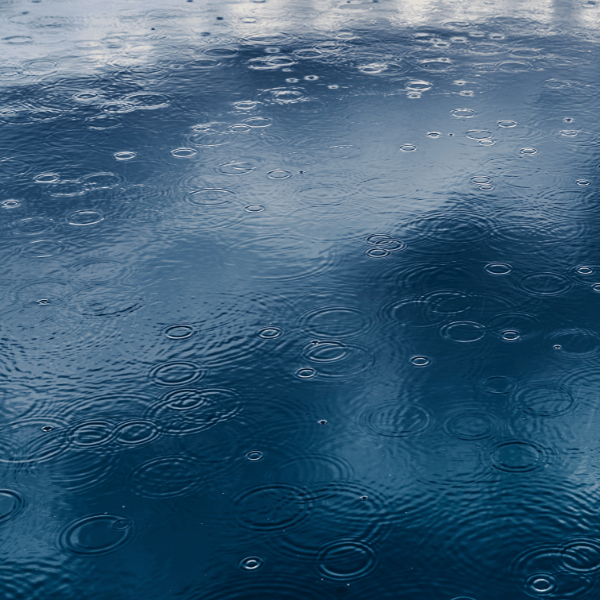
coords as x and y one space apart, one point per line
583 182
322 422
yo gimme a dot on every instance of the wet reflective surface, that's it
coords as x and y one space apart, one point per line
299 300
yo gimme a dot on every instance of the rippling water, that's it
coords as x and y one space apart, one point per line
299 300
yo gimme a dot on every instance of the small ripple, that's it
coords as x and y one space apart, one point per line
179 332
518 456
463 113
522 325
32 440
251 563
395 419
545 399
310 469
11 505
43 249
575 343
275 507
545 284
176 373
346 560
497 268
33 226
580 555
470 425
336 321
456 232
97 534
463 331
192 410
183 152
83 218
167 477
335 359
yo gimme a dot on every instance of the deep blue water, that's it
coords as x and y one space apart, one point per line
299 300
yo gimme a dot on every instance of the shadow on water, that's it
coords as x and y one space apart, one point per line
299 300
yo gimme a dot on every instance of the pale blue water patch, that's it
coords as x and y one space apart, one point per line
299 300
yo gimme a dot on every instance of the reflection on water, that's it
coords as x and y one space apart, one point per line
299 300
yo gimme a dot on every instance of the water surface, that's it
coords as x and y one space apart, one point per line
299 300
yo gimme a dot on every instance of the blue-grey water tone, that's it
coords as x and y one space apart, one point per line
299 300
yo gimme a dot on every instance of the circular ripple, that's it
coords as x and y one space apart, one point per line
575 343
498 268
395 419
324 195
542 573
335 359
183 152
190 411
98 534
32 440
51 291
312 469
325 351
210 197
125 155
463 113
545 284
91 433
11 504
84 217
458 232
463 331
166 477
275 507
179 332
306 372
176 373
345 560
43 249
470 425
136 433
385 241
269 333
33 226
517 456
539 584
514 326
581 555
545 399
